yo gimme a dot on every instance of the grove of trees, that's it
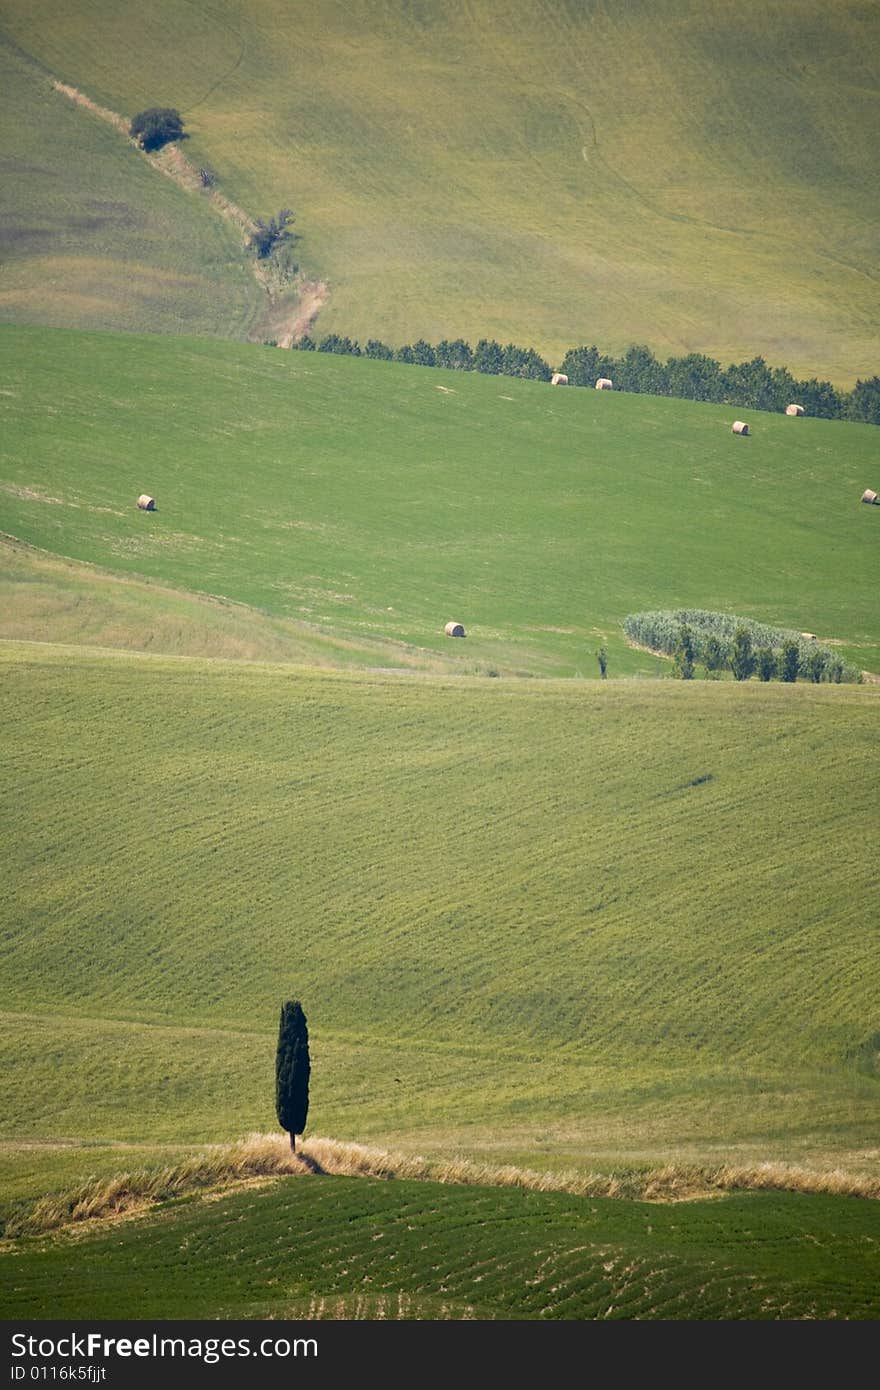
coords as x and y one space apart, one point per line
724 642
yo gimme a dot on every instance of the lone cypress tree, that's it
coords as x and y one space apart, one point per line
292 1069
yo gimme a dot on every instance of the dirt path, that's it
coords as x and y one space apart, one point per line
293 305
111 117
313 296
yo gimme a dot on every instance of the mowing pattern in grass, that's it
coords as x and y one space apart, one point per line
92 237
349 1247
378 500
688 174
649 930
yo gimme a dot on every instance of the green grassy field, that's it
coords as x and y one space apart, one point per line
47 599
558 923
624 928
352 1248
373 502
562 923
696 176
91 235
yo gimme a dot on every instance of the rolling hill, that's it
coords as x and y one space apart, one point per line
370 502
695 176
572 925
346 1248
92 235
560 923
622 934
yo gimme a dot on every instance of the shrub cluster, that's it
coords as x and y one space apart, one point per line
722 641
157 126
267 235
748 385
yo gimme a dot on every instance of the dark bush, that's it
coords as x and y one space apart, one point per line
423 354
684 655
343 347
489 357
457 355
267 235
742 657
716 654
767 664
156 127
789 663
865 401
581 366
816 664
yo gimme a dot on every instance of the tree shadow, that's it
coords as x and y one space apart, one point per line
311 1163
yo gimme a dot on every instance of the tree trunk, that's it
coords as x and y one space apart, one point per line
293 1141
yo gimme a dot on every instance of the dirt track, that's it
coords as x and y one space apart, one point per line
284 321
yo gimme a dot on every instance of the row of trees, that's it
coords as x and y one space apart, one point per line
752 385
713 635
456 355
724 642
744 660
749 385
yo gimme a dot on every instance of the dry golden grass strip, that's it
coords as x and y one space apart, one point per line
268 1156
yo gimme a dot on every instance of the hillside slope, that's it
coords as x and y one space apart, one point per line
698 176
93 237
375 501
556 920
347 1248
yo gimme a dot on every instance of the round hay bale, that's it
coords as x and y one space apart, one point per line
604 384
794 410
559 379
740 427
146 502
454 630
869 496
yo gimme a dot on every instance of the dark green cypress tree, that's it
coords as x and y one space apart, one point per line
292 1070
